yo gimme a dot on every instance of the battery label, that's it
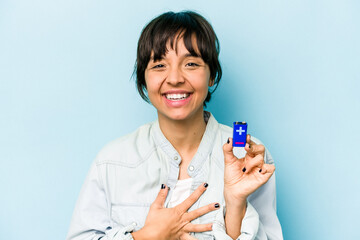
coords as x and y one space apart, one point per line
239 134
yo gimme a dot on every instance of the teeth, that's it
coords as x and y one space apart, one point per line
177 96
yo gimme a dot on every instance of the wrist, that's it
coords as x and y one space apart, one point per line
235 211
137 235
232 200
234 204
141 234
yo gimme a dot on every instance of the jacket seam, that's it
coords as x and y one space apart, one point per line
101 182
218 163
129 165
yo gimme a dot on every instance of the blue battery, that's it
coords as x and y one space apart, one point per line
239 134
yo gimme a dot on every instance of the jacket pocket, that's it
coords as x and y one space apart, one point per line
127 214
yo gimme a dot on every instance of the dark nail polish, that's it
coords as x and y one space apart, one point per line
217 205
260 170
244 169
249 146
228 141
162 186
206 185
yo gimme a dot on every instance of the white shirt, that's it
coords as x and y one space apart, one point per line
181 192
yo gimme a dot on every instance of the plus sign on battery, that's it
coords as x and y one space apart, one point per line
240 130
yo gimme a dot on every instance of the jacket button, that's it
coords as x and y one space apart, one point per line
176 158
191 168
134 224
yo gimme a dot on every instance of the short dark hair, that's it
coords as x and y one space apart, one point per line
166 27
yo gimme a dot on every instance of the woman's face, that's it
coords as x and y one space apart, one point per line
177 84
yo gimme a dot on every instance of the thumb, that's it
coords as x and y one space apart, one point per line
160 199
229 156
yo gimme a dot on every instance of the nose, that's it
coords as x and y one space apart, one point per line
175 76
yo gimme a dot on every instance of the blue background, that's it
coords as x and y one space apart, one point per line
66 90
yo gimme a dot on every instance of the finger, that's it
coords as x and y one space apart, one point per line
197 227
187 203
229 156
251 163
248 138
267 169
160 199
187 236
254 149
201 211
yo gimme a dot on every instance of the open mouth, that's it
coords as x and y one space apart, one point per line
177 96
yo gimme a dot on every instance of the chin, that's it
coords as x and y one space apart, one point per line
178 117
182 115
175 115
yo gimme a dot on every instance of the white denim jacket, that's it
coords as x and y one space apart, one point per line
126 176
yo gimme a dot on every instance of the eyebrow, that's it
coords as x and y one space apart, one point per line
186 55
191 55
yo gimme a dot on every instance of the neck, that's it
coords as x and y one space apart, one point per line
184 135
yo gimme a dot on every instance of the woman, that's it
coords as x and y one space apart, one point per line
207 188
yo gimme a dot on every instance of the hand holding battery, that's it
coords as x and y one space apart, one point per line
243 176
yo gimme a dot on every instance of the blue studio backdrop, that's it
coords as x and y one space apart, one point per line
291 70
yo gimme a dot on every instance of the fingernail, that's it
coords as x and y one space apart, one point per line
260 170
244 169
206 185
228 141
162 186
217 205
249 145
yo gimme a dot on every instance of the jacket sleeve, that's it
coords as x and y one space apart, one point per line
264 201
91 217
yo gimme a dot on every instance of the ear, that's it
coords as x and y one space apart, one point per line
211 82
